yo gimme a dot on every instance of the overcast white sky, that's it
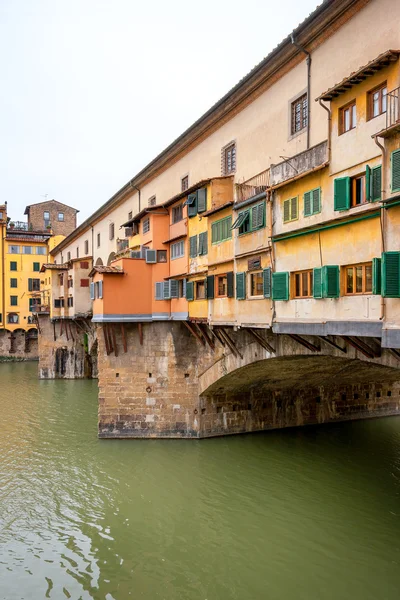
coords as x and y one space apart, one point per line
92 90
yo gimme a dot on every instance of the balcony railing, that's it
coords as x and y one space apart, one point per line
122 245
18 225
252 187
304 162
393 108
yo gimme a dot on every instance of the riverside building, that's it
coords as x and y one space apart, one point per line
249 277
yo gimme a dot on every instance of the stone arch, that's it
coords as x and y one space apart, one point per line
111 258
99 262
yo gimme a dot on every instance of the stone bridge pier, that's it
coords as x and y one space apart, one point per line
174 379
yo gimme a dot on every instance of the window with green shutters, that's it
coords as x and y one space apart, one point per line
241 286
312 202
189 291
210 287
395 164
14 300
391 274
221 230
36 266
193 246
203 243
291 209
191 203
280 286
267 282
250 219
375 186
13 282
201 200
341 193
13 266
326 282
376 276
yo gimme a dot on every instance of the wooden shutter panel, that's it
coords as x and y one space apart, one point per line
368 183
174 288
391 274
193 246
210 287
395 160
159 290
330 281
376 183
189 291
317 282
307 204
192 205
184 281
202 200
230 285
280 286
341 193
267 282
30 285
376 275
286 211
214 233
316 201
100 289
294 206
240 286
92 291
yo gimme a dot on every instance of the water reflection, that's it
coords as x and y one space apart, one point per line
306 513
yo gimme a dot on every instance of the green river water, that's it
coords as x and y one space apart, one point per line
310 514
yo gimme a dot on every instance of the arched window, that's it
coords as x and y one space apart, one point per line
111 258
13 318
99 262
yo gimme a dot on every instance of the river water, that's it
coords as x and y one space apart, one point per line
307 514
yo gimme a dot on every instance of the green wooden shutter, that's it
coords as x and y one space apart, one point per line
189 291
30 285
341 186
395 160
280 286
294 208
317 282
202 200
316 201
330 281
257 216
192 205
210 287
214 233
391 274
307 204
240 286
230 284
368 183
267 282
193 246
286 211
36 266
174 288
203 243
376 183
376 275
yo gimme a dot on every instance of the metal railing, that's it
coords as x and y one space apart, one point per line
252 187
122 245
393 108
18 225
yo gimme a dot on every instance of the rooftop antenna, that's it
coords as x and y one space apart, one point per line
44 196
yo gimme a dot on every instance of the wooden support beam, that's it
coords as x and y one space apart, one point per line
77 324
333 344
367 348
203 329
300 340
217 334
395 352
140 328
66 330
110 344
356 346
54 331
70 331
114 339
124 338
194 332
61 327
263 343
231 343
106 338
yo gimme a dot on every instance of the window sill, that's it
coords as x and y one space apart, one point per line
257 298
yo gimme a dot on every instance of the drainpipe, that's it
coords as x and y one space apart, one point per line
382 217
328 110
92 245
308 62
138 190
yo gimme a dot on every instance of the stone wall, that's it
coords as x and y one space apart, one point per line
152 389
18 345
65 227
67 349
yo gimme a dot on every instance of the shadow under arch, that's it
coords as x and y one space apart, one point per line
99 262
295 372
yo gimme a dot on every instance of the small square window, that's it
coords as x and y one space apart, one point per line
36 266
200 290
146 225
229 159
14 300
377 101
152 201
347 117
299 114
256 285
13 282
130 215
177 213
13 266
61 216
303 284
185 183
221 286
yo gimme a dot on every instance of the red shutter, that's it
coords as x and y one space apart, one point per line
84 265
84 282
